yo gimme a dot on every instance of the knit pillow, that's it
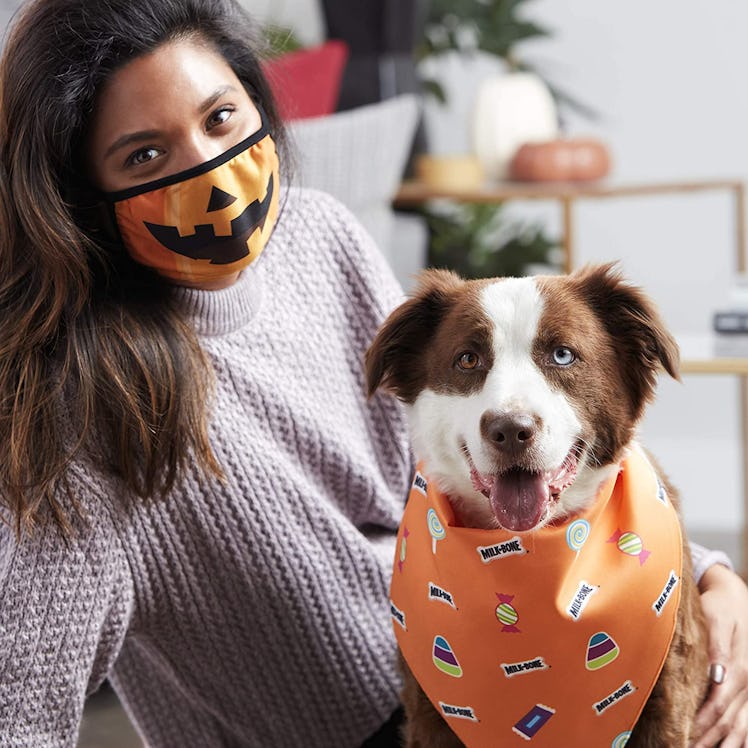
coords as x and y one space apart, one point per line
359 156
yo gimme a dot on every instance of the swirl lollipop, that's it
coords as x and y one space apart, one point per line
577 533
435 528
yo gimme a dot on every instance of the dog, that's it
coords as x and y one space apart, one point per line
523 398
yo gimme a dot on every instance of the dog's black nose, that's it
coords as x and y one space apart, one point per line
510 433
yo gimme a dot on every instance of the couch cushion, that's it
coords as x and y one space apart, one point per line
359 157
306 83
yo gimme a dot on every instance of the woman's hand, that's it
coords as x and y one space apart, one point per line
724 715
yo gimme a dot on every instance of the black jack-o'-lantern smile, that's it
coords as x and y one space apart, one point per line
204 244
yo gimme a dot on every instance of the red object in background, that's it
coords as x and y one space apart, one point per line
306 83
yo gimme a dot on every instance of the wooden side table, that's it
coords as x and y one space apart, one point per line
414 193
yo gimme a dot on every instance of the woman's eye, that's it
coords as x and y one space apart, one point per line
143 156
563 356
468 360
219 117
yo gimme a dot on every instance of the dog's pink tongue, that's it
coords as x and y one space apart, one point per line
519 499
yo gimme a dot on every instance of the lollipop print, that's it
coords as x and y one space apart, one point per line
577 534
436 528
620 740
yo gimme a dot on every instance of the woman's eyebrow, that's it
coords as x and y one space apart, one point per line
129 138
133 137
213 98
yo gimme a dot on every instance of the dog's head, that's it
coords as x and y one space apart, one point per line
522 392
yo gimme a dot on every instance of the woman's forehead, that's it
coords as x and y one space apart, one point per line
151 91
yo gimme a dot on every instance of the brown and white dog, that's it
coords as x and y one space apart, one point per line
523 395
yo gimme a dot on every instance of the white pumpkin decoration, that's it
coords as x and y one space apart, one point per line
511 109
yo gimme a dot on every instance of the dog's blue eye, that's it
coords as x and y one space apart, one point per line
563 356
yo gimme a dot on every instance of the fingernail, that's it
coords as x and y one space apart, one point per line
716 673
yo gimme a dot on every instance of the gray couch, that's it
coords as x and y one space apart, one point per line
359 157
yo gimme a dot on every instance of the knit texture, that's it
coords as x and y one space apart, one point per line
253 612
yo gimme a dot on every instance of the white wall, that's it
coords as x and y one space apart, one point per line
668 80
303 16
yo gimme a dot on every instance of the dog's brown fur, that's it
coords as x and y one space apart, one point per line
599 299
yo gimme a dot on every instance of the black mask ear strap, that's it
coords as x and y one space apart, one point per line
106 220
98 220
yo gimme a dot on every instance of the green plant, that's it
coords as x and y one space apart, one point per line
280 40
497 27
493 26
477 241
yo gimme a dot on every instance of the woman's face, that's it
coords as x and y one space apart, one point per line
167 111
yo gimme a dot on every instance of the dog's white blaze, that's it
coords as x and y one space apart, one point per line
440 422
515 383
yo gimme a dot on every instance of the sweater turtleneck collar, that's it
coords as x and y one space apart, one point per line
226 310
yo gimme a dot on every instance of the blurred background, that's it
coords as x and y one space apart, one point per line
446 92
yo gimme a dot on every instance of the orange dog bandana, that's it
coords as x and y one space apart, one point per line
555 636
207 222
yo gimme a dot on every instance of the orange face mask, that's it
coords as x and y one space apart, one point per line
208 222
555 636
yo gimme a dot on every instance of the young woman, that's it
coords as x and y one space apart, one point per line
200 503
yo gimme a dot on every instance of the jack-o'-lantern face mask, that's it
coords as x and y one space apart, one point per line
208 222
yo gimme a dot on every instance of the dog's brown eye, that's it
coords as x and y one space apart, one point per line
468 360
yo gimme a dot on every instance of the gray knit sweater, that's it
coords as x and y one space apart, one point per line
250 613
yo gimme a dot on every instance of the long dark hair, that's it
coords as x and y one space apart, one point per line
93 350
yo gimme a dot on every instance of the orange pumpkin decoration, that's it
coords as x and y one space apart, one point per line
561 160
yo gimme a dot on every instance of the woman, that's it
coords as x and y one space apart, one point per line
201 505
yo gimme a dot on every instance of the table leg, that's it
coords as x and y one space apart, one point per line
568 234
740 227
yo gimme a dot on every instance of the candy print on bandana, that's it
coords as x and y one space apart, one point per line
529 725
436 529
444 658
619 741
601 651
506 613
536 612
577 534
403 549
630 544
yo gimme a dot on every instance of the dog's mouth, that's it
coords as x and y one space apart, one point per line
521 498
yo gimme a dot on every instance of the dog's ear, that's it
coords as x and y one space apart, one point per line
633 322
392 359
